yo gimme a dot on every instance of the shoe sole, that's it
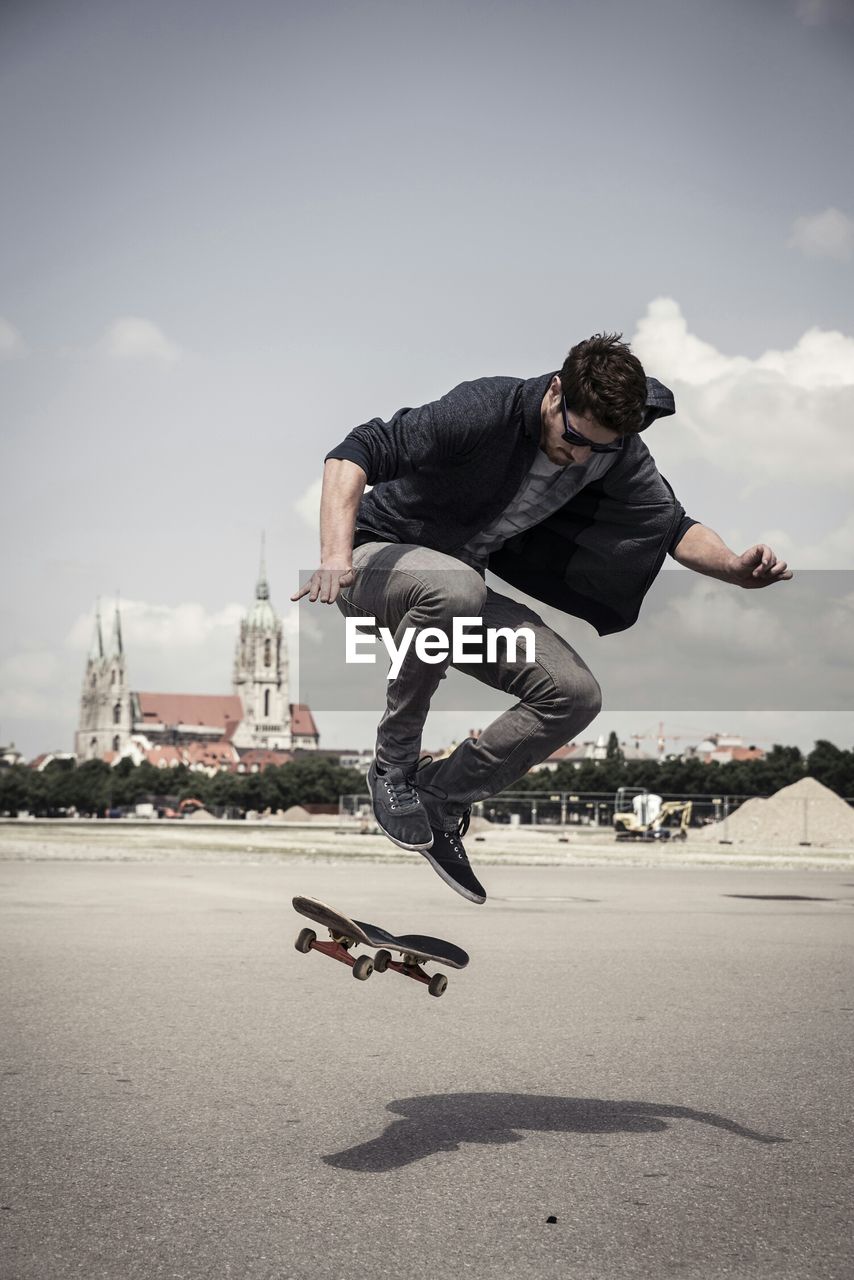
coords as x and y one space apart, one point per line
411 848
468 894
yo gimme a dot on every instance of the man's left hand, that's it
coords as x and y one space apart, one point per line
758 567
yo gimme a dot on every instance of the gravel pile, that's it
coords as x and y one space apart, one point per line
199 815
804 811
296 813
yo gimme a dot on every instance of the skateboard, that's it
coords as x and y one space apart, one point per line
415 949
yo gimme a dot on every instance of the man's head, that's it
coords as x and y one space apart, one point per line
602 380
600 394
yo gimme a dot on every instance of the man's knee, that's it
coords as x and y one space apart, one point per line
459 594
576 696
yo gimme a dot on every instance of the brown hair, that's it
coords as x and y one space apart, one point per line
601 379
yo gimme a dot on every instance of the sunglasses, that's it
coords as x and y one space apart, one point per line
571 436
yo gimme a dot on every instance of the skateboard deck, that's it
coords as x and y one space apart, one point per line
415 949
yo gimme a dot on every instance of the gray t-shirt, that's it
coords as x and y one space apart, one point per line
545 489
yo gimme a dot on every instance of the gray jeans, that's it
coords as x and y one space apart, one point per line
409 586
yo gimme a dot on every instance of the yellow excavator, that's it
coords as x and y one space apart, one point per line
641 815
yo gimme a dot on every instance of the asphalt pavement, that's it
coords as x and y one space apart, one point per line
643 1072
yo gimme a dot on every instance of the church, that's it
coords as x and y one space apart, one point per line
245 730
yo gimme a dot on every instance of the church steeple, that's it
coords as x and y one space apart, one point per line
96 649
260 672
105 721
262 587
116 645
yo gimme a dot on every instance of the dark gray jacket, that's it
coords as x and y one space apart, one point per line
445 471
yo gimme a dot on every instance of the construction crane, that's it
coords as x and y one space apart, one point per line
661 738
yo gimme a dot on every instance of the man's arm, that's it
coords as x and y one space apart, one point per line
702 550
430 436
343 485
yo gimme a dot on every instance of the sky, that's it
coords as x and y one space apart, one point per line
235 231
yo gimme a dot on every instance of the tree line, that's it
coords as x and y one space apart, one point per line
95 789
829 764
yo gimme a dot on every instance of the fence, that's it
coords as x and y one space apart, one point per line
800 820
564 808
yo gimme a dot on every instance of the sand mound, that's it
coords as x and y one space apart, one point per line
296 813
804 811
199 815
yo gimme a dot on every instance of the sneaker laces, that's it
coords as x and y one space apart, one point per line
454 838
400 792
439 794
412 779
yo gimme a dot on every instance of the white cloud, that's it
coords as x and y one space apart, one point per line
722 626
183 646
821 358
662 337
302 622
835 550
158 626
307 504
824 235
12 345
133 338
777 418
701 643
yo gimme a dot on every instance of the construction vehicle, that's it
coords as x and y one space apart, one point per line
641 815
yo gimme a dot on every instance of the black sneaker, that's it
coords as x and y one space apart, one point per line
448 857
398 809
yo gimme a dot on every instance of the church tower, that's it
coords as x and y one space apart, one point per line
261 674
105 711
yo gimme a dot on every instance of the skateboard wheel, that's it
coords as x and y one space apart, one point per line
438 984
363 968
304 941
382 960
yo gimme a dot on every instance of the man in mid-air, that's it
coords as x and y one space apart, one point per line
547 483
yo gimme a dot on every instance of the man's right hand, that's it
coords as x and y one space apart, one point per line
326 582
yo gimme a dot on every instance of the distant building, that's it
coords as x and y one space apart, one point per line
47 758
9 756
244 730
723 748
574 753
355 758
577 753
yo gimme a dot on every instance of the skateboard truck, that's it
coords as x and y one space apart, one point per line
363 966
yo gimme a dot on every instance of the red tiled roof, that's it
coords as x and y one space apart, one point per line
163 755
218 710
219 754
725 754
262 757
302 721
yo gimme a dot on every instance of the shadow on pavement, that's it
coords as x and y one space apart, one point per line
441 1122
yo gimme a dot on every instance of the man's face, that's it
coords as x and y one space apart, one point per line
552 443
